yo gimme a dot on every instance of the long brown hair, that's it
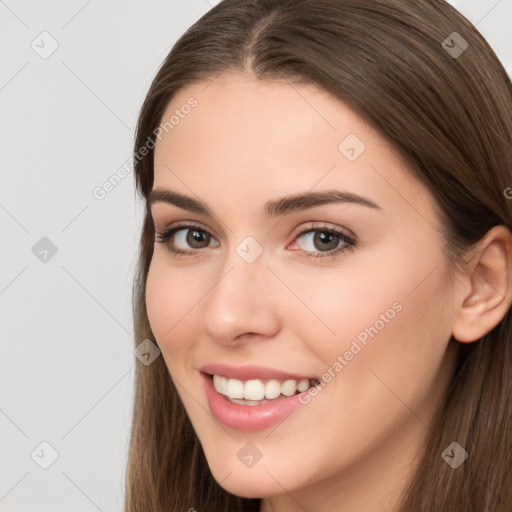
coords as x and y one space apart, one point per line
450 116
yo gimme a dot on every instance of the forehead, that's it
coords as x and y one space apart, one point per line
244 133
237 109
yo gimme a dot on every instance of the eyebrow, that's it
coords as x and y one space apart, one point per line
274 208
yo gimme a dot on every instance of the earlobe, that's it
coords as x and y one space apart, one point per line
491 287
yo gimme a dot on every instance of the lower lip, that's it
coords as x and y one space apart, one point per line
248 417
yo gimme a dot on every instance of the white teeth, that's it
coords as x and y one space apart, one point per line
221 384
272 389
235 388
255 391
302 385
288 387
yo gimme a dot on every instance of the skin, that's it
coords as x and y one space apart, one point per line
353 446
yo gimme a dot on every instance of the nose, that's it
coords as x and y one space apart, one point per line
243 303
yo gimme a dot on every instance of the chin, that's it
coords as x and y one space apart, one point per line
263 480
249 486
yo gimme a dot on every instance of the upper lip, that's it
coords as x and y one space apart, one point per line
250 372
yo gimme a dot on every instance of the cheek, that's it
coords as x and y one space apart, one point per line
390 310
402 331
159 302
170 300
341 304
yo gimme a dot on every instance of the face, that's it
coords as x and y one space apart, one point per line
346 287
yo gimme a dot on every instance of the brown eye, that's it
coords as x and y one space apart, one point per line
325 240
195 238
320 240
185 240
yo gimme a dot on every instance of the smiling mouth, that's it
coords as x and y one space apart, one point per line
259 391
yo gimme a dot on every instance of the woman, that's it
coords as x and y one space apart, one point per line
325 264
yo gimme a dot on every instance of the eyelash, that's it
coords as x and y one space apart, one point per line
165 236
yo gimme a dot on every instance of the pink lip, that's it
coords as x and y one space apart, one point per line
246 417
250 372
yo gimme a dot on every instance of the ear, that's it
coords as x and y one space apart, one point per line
490 281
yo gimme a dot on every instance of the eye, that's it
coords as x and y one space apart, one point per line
325 241
180 239
318 242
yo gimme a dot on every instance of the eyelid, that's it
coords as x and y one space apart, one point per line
185 224
317 225
314 225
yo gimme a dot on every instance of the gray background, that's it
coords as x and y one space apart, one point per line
68 119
